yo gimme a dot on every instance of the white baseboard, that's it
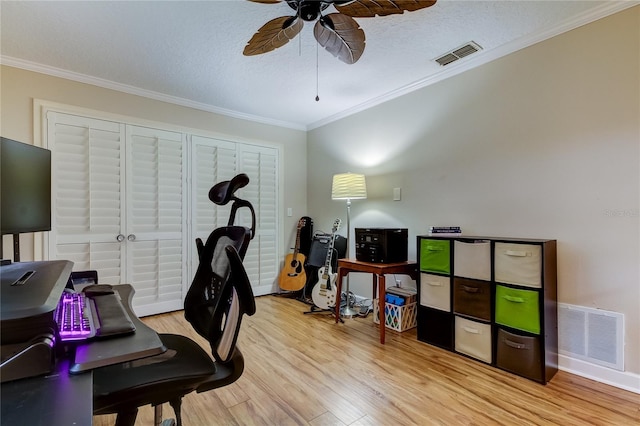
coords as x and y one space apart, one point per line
620 379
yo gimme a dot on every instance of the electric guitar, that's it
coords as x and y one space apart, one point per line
292 275
324 292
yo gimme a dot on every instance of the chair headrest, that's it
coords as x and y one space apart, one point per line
222 192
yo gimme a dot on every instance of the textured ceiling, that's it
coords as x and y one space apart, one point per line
190 52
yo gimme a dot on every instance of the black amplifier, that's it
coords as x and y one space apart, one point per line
381 245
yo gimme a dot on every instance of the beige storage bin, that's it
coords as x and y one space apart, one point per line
472 259
518 264
435 291
473 338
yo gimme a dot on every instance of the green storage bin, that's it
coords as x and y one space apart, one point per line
435 256
517 308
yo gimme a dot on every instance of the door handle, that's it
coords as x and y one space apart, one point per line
120 238
131 237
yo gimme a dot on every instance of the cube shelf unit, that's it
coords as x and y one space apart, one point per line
491 299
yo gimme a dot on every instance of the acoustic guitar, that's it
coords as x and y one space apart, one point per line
292 276
324 293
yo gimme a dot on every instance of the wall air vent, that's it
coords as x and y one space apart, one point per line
458 53
591 335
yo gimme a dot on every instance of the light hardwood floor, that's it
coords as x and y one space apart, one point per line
307 370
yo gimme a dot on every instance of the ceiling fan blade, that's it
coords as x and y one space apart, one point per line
341 36
371 8
266 1
273 34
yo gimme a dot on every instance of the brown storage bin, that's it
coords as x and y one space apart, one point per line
519 354
472 298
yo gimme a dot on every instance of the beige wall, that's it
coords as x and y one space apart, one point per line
543 143
19 88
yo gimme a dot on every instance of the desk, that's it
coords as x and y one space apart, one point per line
99 353
378 270
65 397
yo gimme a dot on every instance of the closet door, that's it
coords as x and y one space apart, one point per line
212 161
261 262
156 218
87 201
120 205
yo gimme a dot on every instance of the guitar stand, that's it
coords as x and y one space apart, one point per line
297 294
313 309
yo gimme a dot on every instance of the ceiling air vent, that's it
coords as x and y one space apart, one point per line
458 53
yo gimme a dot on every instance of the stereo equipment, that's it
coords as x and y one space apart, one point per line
381 245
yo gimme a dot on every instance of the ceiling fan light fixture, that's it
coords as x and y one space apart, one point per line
338 32
309 10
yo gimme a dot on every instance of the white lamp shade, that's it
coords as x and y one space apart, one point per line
348 186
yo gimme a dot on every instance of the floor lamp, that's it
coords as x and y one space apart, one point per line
348 186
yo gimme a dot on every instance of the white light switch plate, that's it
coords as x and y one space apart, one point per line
396 194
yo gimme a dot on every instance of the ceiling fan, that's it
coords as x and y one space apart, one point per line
338 33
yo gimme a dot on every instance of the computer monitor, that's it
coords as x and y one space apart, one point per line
25 190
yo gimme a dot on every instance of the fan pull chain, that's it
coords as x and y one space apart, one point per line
317 74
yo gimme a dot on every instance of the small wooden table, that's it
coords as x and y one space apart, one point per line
378 270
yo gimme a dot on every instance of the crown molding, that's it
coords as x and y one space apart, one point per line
107 84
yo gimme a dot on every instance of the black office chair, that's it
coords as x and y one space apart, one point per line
218 297
185 367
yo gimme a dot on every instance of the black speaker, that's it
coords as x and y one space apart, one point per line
318 256
320 246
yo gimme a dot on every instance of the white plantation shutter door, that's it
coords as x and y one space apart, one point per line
212 161
114 179
261 262
88 168
156 211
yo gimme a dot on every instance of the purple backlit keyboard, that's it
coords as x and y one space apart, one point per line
74 317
